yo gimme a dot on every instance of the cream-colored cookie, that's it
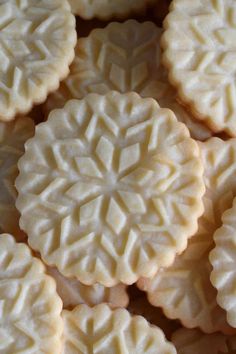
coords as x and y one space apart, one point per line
30 311
110 188
123 57
184 290
73 293
37 39
199 52
102 330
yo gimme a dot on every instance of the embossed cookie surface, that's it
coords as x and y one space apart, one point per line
124 57
100 330
30 309
37 39
110 188
199 52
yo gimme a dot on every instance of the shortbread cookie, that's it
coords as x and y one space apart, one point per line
30 320
73 293
123 57
37 39
223 260
102 330
110 188
184 290
12 139
199 52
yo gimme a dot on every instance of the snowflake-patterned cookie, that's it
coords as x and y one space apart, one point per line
37 39
102 330
110 188
30 311
184 290
123 57
200 54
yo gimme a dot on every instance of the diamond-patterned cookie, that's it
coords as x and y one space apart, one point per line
102 330
110 188
30 311
184 290
199 52
123 57
13 136
73 293
37 39
223 260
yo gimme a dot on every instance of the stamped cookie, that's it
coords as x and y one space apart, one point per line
102 330
199 52
30 320
13 136
123 57
110 188
223 260
73 293
184 290
37 39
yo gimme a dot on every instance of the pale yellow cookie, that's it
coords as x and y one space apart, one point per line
37 39
110 188
184 290
223 260
73 293
30 311
123 57
200 54
102 330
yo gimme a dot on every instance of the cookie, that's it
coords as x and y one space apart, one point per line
123 57
13 136
30 320
199 53
223 259
100 330
184 290
113 185
37 39
73 293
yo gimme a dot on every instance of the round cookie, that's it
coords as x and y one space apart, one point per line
123 57
37 39
184 290
199 53
110 188
30 320
100 330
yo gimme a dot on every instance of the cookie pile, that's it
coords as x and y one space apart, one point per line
118 176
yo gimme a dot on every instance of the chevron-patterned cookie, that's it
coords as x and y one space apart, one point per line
73 293
184 290
123 57
13 136
30 311
113 185
37 39
223 260
102 330
193 341
199 52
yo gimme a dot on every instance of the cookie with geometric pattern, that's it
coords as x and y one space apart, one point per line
30 320
13 136
184 290
199 53
37 40
73 293
123 57
110 188
100 330
223 260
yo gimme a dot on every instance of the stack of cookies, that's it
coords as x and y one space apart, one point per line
118 177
